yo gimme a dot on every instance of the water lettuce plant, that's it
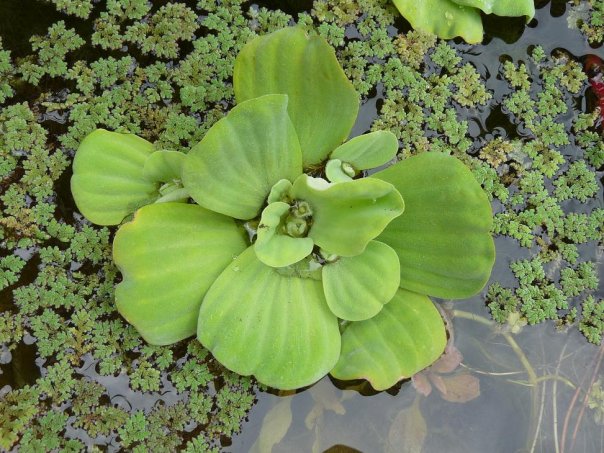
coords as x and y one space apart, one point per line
289 264
450 18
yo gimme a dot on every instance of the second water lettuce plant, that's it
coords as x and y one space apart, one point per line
289 264
450 18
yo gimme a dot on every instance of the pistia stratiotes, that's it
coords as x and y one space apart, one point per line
338 270
450 18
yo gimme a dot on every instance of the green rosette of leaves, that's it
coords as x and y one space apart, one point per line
450 18
288 264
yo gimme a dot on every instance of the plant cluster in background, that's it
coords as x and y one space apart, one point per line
55 270
78 8
588 16
450 18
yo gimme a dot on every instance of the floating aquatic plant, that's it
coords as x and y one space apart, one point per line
450 18
290 265
588 16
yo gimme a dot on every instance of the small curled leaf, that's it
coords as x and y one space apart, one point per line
273 247
336 173
347 215
368 150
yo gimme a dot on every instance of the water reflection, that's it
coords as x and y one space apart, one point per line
534 391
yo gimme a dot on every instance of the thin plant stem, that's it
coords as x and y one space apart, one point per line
532 376
539 420
545 379
517 350
573 402
586 397
555 397
490 373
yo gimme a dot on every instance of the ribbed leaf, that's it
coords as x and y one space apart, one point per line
511 8
347 215
323 104
443 239
234 167
258 321
443 18
402 339
357 287
368 151
108 181
164 166
272 246
169 255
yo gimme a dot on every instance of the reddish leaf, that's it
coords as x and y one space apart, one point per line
438 382
408 431
421 383
461 388
449 361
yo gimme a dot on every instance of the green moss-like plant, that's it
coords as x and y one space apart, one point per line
544 191
78 8
588 16
316 292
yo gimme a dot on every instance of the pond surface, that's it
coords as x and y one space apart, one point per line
505 411
513 391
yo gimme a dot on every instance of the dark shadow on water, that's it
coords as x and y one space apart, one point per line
22 369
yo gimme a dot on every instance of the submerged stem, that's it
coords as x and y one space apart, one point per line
532 376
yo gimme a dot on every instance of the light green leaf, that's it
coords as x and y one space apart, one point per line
356 288
169 255
258 321
443 239
368 151
108 182
179 195
347 215
273 247
164 166
280 192
335 171
508 8
234 167
323 104
404 338
443 18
